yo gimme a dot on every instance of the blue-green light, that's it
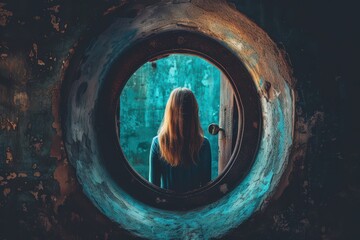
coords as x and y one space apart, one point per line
143 100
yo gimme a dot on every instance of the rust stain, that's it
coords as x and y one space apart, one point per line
15 67
41 62
110 10
302 135
11 124
54 8
66 61
21 100
56 149
35 193
65 64
55 22
34 51
22 175
9 155
11 176
114 8
62 174
4 15
6 191
8 125
37 144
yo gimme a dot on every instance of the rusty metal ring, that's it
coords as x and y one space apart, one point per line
140 51
89 99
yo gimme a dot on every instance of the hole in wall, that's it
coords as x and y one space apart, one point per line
91 117
142 106
119 50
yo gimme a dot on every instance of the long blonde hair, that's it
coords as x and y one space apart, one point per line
180 134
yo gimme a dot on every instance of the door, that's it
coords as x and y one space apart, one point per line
228 121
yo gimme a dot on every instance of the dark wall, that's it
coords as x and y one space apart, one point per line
322 200
40 197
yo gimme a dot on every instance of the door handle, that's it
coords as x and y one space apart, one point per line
214 129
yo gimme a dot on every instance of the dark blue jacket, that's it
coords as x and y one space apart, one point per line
180 178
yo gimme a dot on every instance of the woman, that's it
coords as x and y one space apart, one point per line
180 156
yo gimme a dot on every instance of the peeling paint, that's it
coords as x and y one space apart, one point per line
67 185
9 155
6 191
4 15
34 51
40 62
57 149
8 125
21 100
55 21
36 144
22 175
11 176
16 69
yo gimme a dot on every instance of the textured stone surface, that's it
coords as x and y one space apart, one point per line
320 197
264 62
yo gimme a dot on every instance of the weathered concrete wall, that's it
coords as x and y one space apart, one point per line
143 101
40 197
85 144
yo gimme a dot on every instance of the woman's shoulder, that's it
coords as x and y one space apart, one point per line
155 139
206 141
155 144
205 144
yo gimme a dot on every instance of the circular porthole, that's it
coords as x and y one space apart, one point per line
105 126
142 106
258 77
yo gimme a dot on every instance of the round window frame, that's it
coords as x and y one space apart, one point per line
247 100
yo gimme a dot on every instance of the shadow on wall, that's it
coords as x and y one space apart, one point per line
144 97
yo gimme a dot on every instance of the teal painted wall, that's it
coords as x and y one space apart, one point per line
143 101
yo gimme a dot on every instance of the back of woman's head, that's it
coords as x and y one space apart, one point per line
180 134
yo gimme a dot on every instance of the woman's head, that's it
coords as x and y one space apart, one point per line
180 135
